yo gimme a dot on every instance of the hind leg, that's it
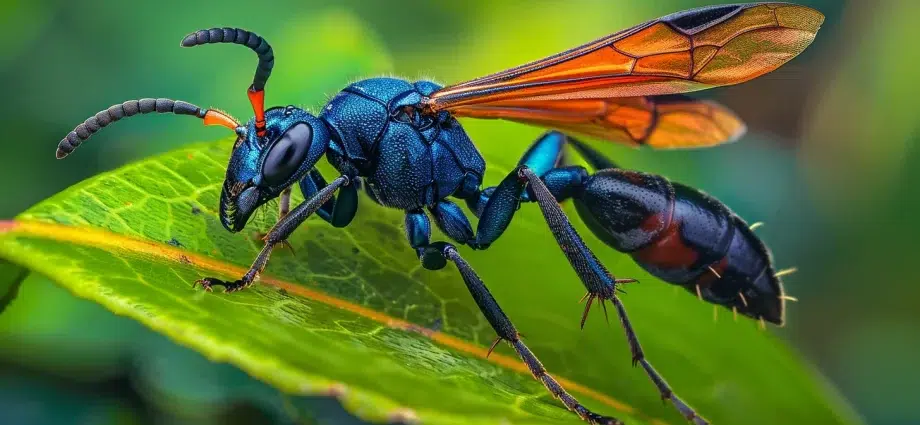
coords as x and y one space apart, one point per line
547 186
496 207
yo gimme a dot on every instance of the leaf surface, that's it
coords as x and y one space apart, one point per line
11 277
351 314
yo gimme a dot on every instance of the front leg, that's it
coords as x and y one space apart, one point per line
280 232
284 207
338 210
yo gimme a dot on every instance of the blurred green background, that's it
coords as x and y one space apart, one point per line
830 165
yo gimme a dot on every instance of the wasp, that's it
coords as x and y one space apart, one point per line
400 142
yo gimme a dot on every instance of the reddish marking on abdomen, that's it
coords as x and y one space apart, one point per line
633 177
653 223
669 251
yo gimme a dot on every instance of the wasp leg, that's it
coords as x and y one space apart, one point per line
596 278
281 231
543 155
449 218
284 203
524 184
507 332
596 159
599 282
638 357
452 221
435 256
339 210
418 231
284 207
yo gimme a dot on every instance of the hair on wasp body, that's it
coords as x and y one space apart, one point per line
401 144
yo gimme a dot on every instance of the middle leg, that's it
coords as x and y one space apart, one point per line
436 255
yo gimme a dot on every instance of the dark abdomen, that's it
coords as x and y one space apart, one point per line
684 237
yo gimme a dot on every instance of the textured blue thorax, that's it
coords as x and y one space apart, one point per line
408 160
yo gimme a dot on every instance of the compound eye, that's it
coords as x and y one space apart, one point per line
286 156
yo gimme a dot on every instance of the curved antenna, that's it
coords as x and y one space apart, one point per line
253 41
143 106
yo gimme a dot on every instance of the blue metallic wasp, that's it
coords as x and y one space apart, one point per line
402 143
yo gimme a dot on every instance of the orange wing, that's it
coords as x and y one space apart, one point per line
661 122
583 89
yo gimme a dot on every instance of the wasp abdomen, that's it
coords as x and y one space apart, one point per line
684 237
626 209
746 279
695 236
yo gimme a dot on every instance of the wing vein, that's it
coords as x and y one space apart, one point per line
624 93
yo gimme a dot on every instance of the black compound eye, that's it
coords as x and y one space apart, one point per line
287 155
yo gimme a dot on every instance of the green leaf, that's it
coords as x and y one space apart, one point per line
11 277
350 314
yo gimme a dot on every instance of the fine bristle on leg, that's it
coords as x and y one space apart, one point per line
600 284
507 332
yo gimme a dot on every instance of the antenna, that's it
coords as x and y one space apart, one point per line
143 106
256 92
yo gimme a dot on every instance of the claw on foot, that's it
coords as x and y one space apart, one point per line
584 316
492 347
594 418
205 283
209 282
591 298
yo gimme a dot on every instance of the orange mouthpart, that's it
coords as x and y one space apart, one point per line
215 117
257 99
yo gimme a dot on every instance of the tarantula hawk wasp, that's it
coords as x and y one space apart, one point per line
403 142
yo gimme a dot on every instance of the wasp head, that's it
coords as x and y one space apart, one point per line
262 166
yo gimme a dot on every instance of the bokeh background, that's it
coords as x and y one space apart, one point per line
831 166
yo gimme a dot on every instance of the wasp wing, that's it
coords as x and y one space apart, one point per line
683 52
662 122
